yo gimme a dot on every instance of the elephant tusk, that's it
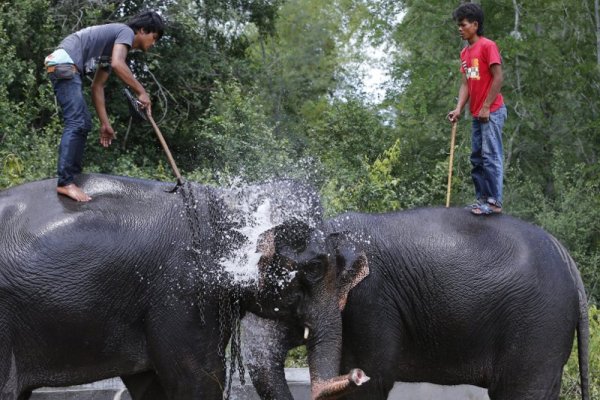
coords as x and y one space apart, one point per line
306 331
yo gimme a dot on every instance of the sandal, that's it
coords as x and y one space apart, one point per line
477 203
486 209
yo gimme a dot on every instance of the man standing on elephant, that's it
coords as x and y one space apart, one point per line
105 46
481 68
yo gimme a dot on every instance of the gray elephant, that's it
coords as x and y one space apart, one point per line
142 283
450 299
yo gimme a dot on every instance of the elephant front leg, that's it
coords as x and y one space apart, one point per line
186 356
144 386
265 344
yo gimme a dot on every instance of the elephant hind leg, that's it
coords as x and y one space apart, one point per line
144 386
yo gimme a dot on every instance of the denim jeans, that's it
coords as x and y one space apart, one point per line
78 123
487 156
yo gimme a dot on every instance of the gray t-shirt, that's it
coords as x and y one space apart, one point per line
96 41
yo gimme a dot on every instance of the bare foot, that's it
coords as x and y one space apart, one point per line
74 192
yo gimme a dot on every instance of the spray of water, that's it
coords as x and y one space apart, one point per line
254 210
242 263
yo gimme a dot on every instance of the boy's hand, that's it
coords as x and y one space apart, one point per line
484 114
454 115
107 134
146 105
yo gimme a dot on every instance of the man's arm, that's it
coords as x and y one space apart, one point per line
119 66
107 134
463 97
497 79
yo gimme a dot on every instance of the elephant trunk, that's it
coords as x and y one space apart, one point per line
337 386
324 344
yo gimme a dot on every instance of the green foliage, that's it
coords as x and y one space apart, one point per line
297 358
570 389
296 67
385 186
236 137
375 191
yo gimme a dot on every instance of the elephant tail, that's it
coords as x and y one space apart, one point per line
583 344
583 323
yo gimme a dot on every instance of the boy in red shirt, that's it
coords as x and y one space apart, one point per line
481 82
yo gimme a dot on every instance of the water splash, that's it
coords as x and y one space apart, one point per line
242 264
254 210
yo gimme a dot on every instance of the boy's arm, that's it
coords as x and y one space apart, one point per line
463 97
107 133
119 66
497 79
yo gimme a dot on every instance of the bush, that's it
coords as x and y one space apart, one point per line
297 358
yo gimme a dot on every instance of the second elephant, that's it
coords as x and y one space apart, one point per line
450 299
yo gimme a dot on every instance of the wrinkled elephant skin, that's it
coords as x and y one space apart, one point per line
118 287
451 298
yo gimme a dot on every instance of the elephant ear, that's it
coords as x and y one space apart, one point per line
351 262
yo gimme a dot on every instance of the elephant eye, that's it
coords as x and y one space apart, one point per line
314 271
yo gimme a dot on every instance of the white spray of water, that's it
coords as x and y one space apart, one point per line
243 263
257 209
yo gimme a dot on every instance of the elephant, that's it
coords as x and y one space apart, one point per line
148 284
450 299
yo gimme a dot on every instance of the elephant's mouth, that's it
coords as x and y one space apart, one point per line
335 387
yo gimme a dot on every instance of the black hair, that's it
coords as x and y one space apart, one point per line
471 12
149 21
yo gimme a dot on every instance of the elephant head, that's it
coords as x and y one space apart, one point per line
305 275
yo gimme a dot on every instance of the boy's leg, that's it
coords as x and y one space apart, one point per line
477 172
77 123
492 154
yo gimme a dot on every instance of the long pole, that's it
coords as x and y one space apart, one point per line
166 149
451 163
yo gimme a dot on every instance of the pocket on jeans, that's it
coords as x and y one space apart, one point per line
64 71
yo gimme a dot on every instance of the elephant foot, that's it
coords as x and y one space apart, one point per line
332 388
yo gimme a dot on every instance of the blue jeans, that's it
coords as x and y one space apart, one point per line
487 157
78 123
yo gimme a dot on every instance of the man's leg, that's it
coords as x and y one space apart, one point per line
477 172
77 122
493 154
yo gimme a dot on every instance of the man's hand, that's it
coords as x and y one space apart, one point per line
146 105
454 115
107 134
484 114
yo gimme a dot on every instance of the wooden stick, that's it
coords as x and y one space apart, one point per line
450 164
166 149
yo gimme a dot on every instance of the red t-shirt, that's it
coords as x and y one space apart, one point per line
476 61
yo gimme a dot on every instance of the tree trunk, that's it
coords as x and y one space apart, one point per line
518 107
597 15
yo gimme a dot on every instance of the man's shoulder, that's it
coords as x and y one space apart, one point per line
487 42
114 27
116 33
